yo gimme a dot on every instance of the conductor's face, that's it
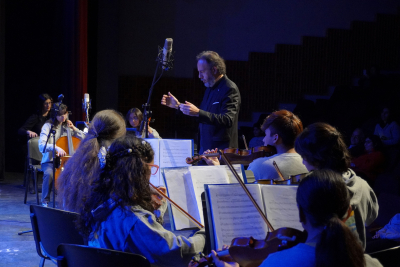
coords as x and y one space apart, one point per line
206 74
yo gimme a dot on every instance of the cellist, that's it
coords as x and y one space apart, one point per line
324 205
59 118
281 129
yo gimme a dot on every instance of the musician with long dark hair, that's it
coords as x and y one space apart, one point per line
323 201
60 121
33 125
119 213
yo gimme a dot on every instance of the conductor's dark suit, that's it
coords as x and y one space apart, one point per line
218 117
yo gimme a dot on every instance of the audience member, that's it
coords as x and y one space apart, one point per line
356 147
372 162
258 139
388 129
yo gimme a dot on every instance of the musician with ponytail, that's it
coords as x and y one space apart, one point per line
74 183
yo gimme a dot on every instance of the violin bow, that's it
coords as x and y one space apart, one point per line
278 170
227 162
198 224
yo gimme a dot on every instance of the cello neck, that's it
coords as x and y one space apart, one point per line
70 144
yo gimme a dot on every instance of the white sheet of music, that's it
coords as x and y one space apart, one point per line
198 176
280 206
173 153
234 215
238 169
178 191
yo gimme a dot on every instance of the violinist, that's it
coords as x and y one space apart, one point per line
134 118
322 147
281 129
60 121
119 213
324 205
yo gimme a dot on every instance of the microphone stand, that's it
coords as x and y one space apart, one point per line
146 107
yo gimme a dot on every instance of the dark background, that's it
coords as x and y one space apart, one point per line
269 47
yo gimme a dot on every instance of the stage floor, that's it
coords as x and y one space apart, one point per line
19 250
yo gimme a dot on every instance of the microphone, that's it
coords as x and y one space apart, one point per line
86 105
86 101
167 51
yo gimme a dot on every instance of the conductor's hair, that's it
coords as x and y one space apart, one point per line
213 60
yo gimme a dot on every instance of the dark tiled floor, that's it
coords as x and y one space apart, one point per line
19 250
16 250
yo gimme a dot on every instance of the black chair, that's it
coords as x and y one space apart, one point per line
388 257
52 227
34 156
84 256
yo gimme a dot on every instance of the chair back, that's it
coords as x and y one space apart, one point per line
33 150
84 256
52 227
388 257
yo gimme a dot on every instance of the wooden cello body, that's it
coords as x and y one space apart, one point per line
69 144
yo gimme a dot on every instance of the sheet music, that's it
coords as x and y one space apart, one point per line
197 177
233 213
173 153
280 206
238 169
155 179
179 193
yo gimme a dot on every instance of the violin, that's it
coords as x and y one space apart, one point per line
249 252
238 156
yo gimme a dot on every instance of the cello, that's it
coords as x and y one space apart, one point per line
69 144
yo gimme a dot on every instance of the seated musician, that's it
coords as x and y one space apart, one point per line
324 205
322 146
281 129
119 214
74 183
60 121
134 119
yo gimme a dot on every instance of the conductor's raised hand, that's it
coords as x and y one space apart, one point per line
189 109
170 101
211 160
